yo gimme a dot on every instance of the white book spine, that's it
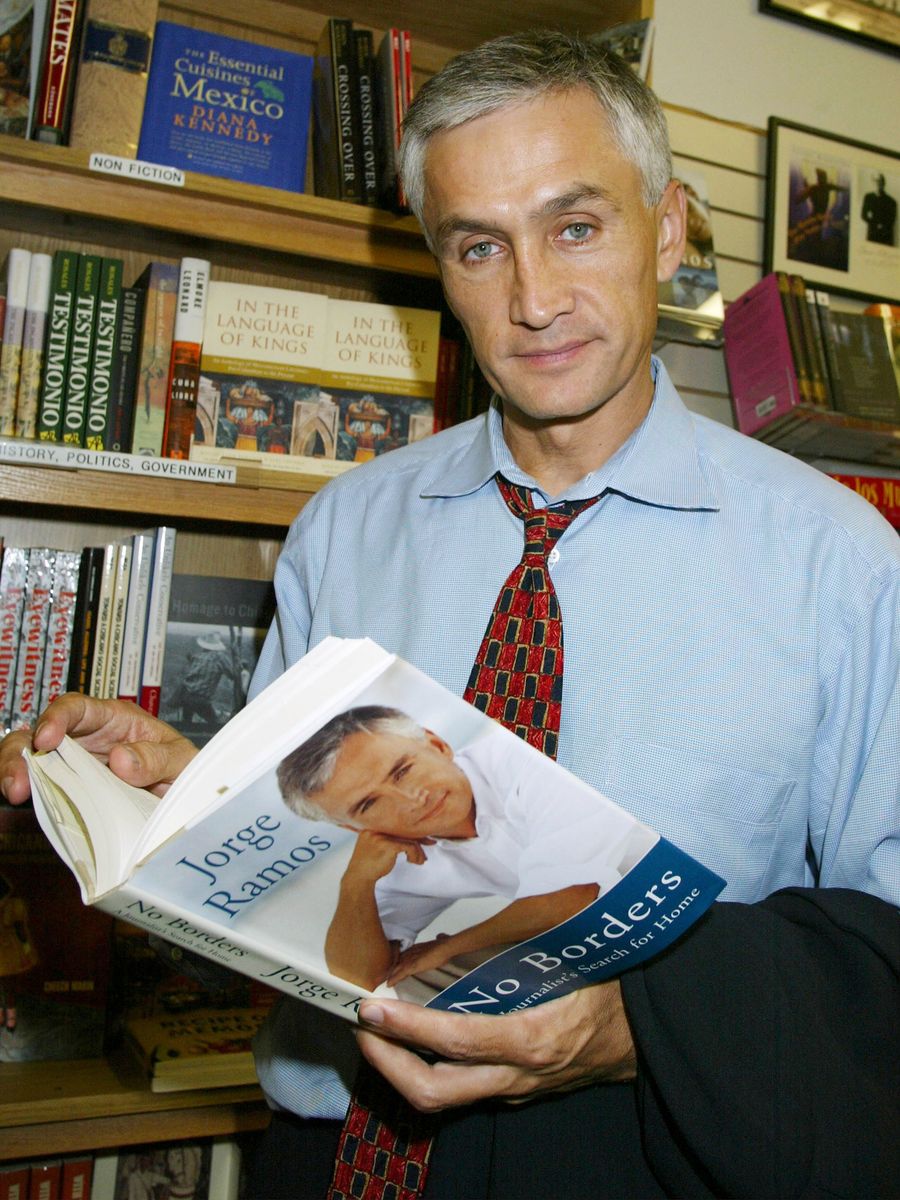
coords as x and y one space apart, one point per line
102 621
18 269
36 307
136 616
117 619
157 618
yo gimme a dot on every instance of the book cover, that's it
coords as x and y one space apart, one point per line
389 117
261 366
60 320
135 627
60 623
759 358
257 855
106 332
227 107
45 1179
18 41
87 290
125 372
114 60
159 284
33 333
795 337
207 1047
690 303
880 490
363 49
214 636
13 574
14 1181
17 270
813 324
863 363
336 135
184 362
77 1171
379 377
206 1170
55 954
815 367
32 638
56 78
157 615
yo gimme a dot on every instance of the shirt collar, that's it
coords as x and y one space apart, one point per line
659 464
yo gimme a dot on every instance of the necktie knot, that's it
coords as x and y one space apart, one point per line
543 526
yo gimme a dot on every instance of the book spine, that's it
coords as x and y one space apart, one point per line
126 362
811 357
77 1171
14 1181
33 333
157 617
17 26
795 336
136 617
390 115
184 363
818 342
18 270
58 647
103 621
106 332
84 624
118 610
87 290
13 576
60 321
823 311
115 58
368 162
44 1179
35 615
50 120
160 283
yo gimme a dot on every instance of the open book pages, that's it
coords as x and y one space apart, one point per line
358 830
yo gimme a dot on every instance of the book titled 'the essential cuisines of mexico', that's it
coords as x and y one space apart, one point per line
359 830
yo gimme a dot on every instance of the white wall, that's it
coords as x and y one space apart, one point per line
725 58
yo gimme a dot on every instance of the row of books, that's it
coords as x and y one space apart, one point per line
786 346
195 100
175 358
204 1170
92 621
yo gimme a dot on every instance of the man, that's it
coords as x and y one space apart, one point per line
731 638
436 826
879 211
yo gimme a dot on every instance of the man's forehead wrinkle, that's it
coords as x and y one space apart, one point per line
578 193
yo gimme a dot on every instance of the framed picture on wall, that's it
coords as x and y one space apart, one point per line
832 211
874 23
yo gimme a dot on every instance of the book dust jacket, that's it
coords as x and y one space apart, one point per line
223 106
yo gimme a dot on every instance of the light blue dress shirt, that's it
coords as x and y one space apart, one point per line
732 640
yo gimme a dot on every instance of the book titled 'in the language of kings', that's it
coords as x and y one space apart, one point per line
359 830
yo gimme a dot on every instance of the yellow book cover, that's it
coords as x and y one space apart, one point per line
209 1047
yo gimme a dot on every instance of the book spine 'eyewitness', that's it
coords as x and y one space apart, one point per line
52 112
106 332
13 576
35 615
60 321
58 647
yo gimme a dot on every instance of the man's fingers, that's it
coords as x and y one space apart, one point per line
13 772
465 1037
152 765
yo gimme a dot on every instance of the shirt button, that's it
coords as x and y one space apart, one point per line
553 557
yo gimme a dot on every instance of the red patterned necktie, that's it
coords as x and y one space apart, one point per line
385 1144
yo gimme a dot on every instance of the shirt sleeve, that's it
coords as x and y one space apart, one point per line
767 1045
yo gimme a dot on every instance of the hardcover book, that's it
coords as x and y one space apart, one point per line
60 625
78 380
379 377
255 857
55 954
227 107
13 574
116 44
389 110
32 637
863 364
134 630
56 78
158 283
368 133
33 332
16 274
206 1047
154 655
125 372
184 360
106 333
336 114
214 636
60 319
260 369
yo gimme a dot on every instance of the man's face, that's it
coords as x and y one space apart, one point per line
549 256
401 786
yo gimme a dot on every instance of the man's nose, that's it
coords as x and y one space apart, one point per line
541 289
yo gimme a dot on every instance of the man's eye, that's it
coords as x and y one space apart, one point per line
578 231
481 250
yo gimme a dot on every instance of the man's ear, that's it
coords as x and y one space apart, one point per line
671 226
439 744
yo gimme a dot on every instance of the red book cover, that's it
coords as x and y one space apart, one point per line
184 361
75 1183
44 1181
14 1181
883 492
56 82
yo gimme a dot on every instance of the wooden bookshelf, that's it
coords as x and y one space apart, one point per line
92 1104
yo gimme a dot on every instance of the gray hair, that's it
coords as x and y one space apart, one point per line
519 67
306 770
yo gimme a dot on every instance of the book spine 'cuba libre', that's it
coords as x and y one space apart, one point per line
184 362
